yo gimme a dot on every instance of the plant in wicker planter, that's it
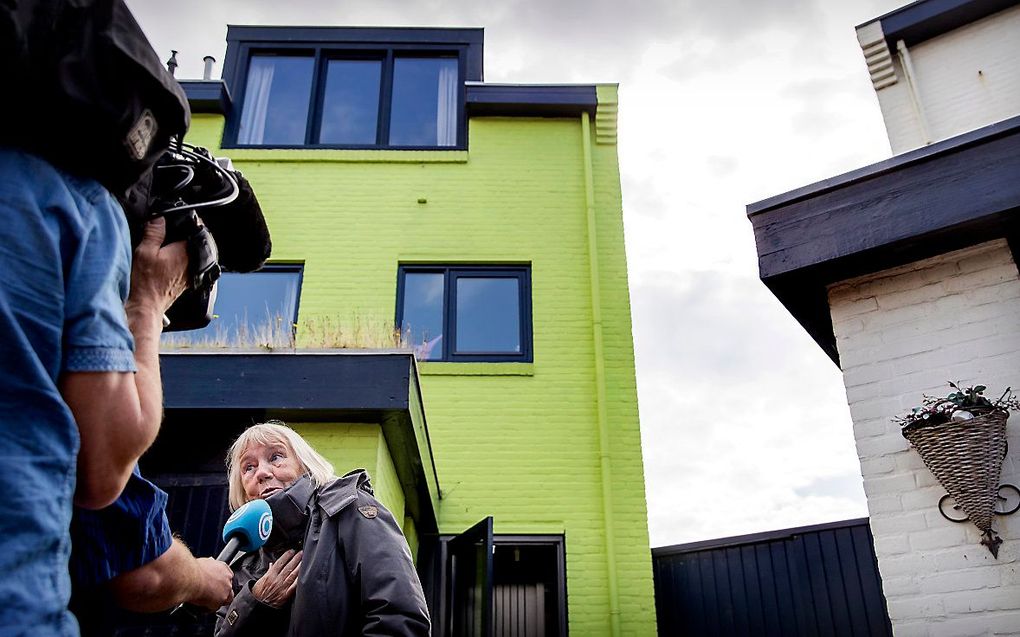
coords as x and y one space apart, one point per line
962 440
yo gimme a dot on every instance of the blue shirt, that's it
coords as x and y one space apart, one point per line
128 534
65 259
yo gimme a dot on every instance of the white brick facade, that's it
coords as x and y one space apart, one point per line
902 333
962 80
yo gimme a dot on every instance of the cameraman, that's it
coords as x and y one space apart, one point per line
80 394
123 555
79 376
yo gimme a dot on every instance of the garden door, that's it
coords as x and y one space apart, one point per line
469 582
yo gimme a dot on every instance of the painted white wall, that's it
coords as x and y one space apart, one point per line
963 80
902 333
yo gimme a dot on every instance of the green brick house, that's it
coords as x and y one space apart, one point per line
485 220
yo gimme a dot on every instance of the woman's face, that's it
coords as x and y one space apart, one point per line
267 468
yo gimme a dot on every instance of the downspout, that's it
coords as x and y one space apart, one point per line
600 377
915 93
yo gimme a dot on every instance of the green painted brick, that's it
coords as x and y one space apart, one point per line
523 448
358 446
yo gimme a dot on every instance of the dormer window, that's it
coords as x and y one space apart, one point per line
276 100
336 91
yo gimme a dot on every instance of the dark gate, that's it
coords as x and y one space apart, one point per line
812 580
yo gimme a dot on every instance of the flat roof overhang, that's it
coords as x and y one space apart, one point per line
328 386
925 19
949 195
534 100
207 96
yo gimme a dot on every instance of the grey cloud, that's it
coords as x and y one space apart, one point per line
816 88
817 122
722 165
710 324
849 487
563 41
642 196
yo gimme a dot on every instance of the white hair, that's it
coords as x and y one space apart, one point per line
271 432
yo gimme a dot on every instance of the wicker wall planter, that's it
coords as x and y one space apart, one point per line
966 458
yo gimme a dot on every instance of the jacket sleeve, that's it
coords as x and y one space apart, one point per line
392 601
246 615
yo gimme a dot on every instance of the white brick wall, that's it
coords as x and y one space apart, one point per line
902 333
966 78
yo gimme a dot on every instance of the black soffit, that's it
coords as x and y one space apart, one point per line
207 96
949 195
926 19
286 381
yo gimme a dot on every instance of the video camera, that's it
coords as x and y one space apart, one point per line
213 208
87 92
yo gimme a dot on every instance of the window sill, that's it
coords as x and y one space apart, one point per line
476 369
241 153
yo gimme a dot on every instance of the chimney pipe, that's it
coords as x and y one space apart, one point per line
209 61
171 64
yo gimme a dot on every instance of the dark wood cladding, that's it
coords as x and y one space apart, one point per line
531 100
818 580
920 21
207 96
284 382
950 195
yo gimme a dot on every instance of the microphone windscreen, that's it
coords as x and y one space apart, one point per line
251 524
240 230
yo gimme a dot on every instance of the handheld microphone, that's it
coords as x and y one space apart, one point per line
247 529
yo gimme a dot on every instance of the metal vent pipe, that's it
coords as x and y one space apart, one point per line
209 61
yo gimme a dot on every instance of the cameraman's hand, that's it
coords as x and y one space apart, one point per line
158 273
215 588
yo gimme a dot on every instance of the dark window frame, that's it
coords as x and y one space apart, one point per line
280 266
450 274
289 266
286 266
322 53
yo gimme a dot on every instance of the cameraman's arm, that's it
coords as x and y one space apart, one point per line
119 414
174 577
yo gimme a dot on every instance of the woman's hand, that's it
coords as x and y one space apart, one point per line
277 586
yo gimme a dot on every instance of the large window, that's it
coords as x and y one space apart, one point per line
276 100
251 310
466 313
361 99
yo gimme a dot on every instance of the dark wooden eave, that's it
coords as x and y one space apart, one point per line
949 195
207 96
334 386
535 100
926 19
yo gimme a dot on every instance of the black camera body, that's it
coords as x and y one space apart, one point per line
207 205
194 308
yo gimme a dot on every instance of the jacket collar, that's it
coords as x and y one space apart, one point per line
343 491
290 512
292 506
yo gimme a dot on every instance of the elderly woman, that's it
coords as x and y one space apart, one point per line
336 563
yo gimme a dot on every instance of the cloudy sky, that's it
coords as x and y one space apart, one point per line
722 103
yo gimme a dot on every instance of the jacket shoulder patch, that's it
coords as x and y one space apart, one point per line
369 511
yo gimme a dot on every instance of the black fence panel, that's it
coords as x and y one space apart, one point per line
814 580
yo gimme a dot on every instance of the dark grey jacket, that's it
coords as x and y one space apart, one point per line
357 576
